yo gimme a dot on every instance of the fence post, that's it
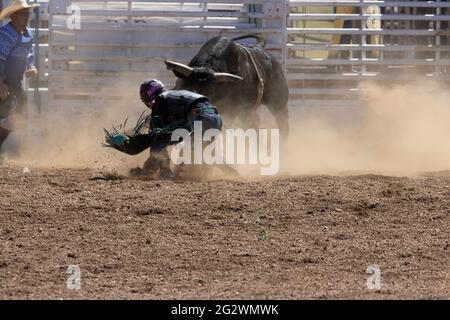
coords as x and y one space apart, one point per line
437 27
276 15
37 95
284 42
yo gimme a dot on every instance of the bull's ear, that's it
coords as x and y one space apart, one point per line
180 70
226 77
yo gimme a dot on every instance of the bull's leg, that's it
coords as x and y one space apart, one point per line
3 135
281 115
249 119
276 98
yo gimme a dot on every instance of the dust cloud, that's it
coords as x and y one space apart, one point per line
72 137
398 131
402 130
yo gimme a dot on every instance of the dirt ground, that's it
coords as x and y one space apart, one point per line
278 238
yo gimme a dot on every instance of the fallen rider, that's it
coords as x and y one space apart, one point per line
170 110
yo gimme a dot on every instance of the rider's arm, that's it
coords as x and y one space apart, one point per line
134 145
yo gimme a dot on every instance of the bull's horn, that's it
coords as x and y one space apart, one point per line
179 67
226 77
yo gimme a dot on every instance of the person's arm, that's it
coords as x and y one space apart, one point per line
31 71
5 50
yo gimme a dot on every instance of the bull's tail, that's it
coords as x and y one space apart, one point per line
259 38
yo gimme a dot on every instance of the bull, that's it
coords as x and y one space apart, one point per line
237 79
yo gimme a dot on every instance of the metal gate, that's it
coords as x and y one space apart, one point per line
329 48
105 55
335 46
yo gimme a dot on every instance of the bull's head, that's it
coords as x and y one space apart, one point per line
200 76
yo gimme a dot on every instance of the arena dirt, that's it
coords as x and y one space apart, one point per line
278 238
367 190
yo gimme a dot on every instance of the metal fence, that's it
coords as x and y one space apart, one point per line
120 43
329 48
335 46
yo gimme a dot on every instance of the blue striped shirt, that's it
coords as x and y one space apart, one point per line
16 54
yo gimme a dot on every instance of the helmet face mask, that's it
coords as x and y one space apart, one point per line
149 91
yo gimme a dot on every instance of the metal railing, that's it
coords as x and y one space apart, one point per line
120 43
333 46
327 47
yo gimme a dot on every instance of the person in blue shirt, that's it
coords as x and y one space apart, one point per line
16 60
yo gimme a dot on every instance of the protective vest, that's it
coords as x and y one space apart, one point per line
180 102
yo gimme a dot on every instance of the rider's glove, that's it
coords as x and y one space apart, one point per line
117 139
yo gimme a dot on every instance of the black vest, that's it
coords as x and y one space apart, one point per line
180 102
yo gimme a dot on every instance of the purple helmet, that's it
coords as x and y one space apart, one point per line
149 90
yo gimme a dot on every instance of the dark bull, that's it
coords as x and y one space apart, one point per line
237 79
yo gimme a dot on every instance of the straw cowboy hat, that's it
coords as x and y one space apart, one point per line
15 6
